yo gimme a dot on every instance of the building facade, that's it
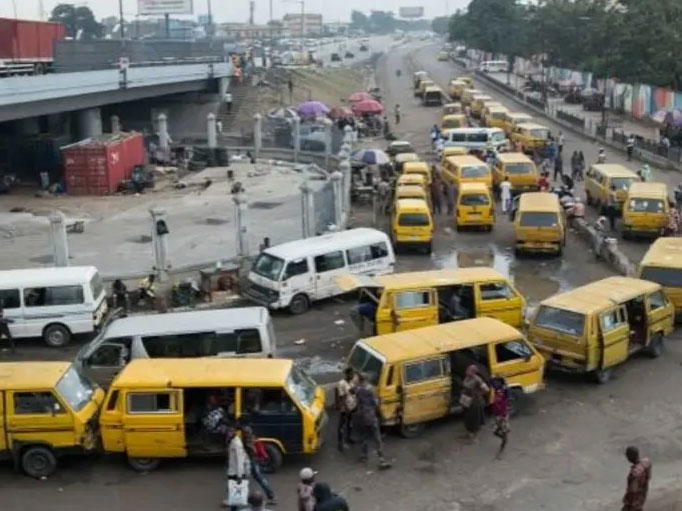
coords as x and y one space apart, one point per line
311 25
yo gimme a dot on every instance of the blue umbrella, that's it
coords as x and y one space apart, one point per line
371 156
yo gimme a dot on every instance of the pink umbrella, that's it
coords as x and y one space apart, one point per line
368 106
340 112
359 96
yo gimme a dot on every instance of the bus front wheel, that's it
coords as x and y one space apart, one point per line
273 460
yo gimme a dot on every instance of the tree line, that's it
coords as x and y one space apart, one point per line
630 40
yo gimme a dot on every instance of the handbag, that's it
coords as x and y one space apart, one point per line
465 400
237 492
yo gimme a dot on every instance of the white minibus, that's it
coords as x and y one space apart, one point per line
494 66
53 303
236 332
476 139
294 274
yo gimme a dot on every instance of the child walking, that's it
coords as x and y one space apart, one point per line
500 411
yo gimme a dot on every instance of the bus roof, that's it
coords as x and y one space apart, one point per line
422 342
614 170
403 157
601 294
193 321
465 188
42 276
648 190
518 115
513 158
664 252
532 126
31 375
416 279
412 179
203 372
317 244
540 201
464 159
408 205
416 165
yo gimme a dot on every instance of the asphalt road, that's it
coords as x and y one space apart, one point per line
566 447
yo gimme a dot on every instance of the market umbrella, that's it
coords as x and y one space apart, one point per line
340 112
368 106
359 96
371 156
312 109
282 113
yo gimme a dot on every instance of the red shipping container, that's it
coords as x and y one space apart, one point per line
29 41
97 166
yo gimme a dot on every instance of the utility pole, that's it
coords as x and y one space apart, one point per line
209 28
120 19
167 18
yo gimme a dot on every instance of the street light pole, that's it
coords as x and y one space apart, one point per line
120 19
209 28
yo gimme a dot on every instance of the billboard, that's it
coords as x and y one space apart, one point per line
411 12
161 7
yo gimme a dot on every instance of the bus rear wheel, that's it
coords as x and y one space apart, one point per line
144 464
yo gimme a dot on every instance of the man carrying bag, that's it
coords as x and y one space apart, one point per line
238 470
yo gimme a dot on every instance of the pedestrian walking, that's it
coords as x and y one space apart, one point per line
228 102
256 501
678 197
396 112
435 195
506 194
255 449
326 500
473 400
4 329
630 146
645 172
560 142
219 127
119 293
637 481
575 164
581 167
611 211
558 168
500 411
345 404
601 155
238 468
306 499
448 197
367 421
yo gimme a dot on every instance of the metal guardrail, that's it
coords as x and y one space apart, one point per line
578 122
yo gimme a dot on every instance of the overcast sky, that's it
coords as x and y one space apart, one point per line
238 10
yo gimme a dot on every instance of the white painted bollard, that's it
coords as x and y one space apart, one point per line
307 210
58 239
337 186
327 141
240 206
345 171
296 134
211 131
160 233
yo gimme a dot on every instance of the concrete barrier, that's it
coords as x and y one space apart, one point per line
604 248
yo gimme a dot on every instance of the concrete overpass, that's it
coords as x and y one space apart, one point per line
27 98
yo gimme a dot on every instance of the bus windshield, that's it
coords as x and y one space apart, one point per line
301 386
268 266
366 363
75 389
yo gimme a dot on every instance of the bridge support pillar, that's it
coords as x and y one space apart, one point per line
60 245
89 123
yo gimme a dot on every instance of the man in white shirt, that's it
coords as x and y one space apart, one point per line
346 403
505 194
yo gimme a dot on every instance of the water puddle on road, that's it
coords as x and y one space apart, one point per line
322 370
536 279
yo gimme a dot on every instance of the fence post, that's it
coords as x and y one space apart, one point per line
164 138
337 186
159 243
115 124
257 135
296 126
345 172
327 141
60 244
211 131
307 210
240 203
347 135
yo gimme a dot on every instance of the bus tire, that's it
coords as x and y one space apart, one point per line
56 335
38 461
144 464
412 430
602 376
299 304
274 459
655 348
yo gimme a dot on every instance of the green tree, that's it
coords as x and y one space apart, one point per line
359 21
382 22
440 24
79 21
